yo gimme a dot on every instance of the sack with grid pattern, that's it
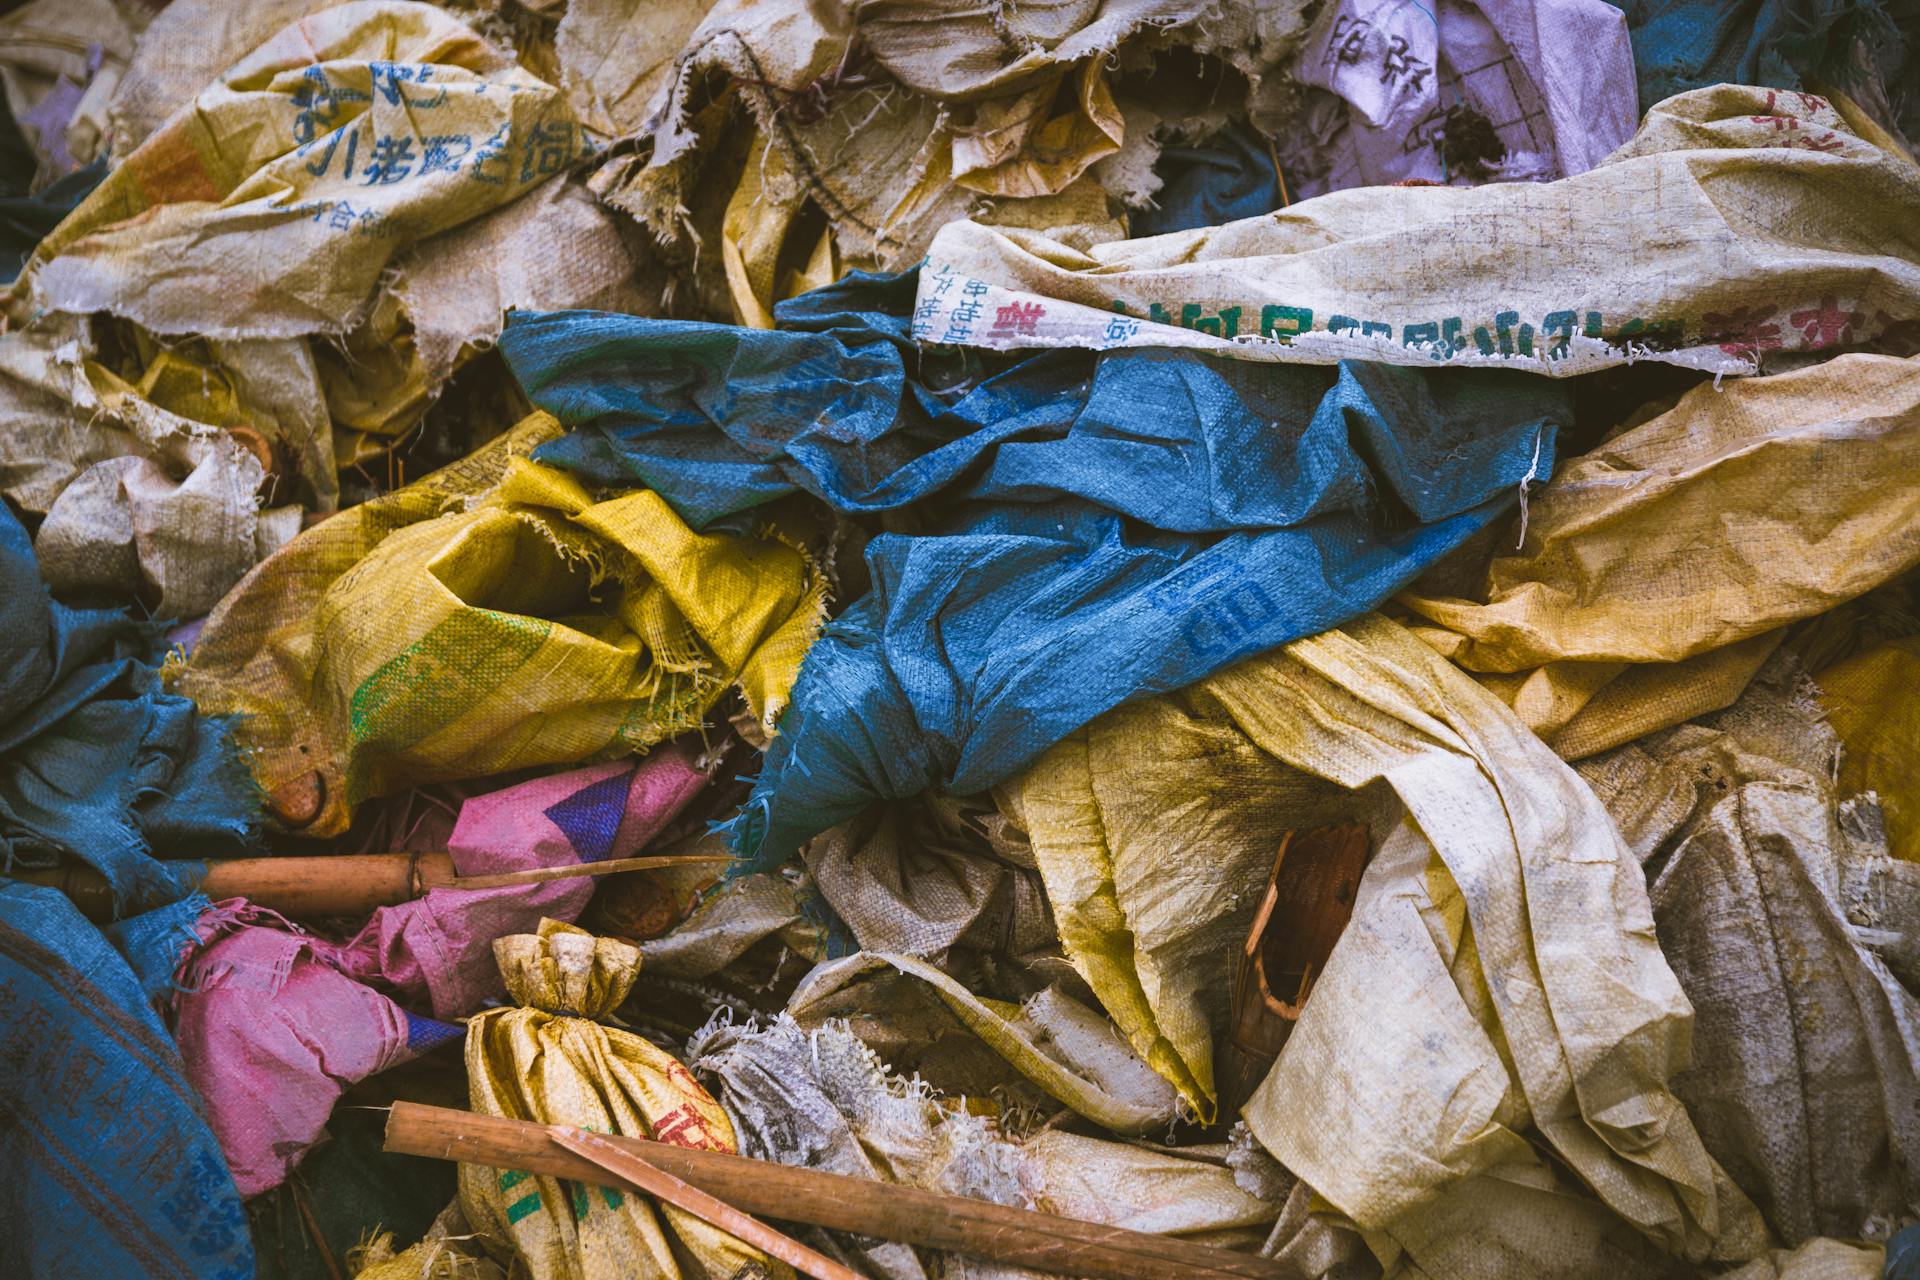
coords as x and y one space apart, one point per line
492 616
548 1060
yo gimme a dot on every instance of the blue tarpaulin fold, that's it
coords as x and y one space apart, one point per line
1780 44
1227 177
111 1171
1087 528
96 761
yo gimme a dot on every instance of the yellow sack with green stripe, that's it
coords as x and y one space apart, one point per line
548 1061
492 616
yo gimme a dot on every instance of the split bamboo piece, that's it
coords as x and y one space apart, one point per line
641 1176
346 884
892 1212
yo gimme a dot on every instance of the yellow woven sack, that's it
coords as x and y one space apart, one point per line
1499 991
1657 569
489 617
1873 701
549 1061
270 205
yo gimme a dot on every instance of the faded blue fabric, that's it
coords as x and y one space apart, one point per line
1903 1254
154 941
1085 528
111 1171
25 219
1228 177
1778 44
96 762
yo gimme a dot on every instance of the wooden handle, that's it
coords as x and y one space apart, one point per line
835 1201
340 884
303 886
642 1176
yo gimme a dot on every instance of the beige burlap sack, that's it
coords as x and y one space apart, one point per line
925 876
1499 973
1168 782
270 206
1498 986
60 61
155 486
1784 919
1656 570
183 50
616 56
1735 223
871 125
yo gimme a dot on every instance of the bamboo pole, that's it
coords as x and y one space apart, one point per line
340 884
887 1210
645 1177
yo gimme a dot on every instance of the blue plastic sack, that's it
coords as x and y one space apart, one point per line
1223 179
1778 44
96 762
110 1169
1903 1254
1087 528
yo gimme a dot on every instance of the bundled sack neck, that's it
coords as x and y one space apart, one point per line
566 970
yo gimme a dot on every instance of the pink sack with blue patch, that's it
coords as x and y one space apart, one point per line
274 1023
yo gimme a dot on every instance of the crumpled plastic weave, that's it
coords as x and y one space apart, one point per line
112 1169
1086 529
96 762
1666 556
1783 229
491 616
270 206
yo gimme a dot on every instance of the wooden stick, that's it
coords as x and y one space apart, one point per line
536 875
642 1176
340 884
816 1198
302 886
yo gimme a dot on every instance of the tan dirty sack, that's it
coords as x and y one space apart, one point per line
1784 919
60 61
271 205
1656 569
1164 783
1780 230
1498 985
